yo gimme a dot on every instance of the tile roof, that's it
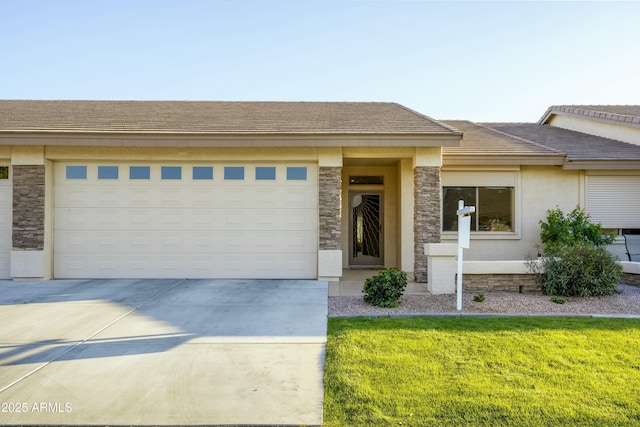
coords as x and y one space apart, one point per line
629 115
481 140
215 117
576 145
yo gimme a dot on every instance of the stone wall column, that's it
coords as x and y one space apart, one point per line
28 207
426 218
31 251
330 208
330 222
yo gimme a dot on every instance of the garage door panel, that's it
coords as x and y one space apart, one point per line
75 196
72 219
171 197
185 228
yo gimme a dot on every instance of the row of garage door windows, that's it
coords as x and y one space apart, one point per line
262 173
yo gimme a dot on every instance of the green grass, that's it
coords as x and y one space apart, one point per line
482 372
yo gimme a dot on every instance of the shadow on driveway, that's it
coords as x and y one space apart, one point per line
164 351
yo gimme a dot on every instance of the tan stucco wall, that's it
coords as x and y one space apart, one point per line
593 127
405 215
541 188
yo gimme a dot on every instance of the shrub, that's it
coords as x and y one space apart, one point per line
571 229
558 300
478 298
385 289
581 269
575 261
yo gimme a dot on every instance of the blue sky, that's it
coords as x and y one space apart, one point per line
475 60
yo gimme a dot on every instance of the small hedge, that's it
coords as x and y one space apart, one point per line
580 270
385 289
576 262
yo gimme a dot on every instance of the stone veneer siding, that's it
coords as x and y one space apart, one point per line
426 216
500 282
28 207
330 208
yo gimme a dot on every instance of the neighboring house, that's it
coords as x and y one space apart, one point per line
110 189
515 172
117 189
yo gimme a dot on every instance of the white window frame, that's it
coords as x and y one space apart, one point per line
507 177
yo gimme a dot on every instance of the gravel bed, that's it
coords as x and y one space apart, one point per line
624 303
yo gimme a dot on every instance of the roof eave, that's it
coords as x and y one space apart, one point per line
602 165
596 116
220 139
478 160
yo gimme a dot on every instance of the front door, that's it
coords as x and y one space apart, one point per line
365 239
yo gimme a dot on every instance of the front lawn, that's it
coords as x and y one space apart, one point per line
482 372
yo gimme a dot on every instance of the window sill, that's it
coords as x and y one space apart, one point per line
482 235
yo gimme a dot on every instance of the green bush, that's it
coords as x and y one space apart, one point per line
385 289
581 269
571 229
575 261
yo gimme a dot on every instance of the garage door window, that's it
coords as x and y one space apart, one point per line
139 172
234 172
76 172
107 172
171 172
265 173
295 173
202 172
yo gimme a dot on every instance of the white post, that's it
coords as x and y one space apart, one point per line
464 232
459 280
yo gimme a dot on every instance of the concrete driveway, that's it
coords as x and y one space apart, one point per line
162 352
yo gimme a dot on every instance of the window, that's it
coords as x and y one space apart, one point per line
107 172
494 208
171 172
139 172
76 172
295 173
4 172
202 172
234 172
265 173
366 180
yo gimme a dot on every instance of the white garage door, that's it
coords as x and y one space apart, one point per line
185 220
6 219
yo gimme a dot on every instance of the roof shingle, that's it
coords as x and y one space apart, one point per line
576 145
215 117
480 140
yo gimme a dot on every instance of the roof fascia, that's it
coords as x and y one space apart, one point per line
602 164
546 116
228 140
634 122
473 160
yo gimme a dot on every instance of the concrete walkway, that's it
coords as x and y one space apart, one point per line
162 352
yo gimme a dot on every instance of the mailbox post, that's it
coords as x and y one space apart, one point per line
464 232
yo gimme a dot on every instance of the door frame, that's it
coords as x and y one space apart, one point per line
353 193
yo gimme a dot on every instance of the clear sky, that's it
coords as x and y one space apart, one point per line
475 60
